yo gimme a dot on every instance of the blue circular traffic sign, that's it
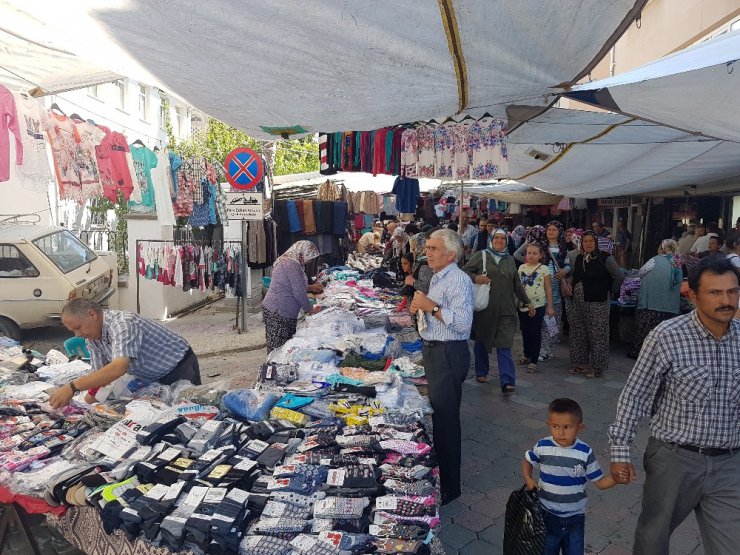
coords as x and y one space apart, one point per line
244 168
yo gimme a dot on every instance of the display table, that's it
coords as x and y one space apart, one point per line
81 526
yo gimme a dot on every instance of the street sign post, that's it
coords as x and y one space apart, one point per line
242 205
244 169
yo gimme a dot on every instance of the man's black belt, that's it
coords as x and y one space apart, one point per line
707 451
427 343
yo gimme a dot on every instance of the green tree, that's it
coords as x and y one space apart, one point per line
292 156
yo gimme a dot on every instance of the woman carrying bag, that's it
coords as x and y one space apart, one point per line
495 326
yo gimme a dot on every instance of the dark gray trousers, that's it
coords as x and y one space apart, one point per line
677 482
187 369
446 365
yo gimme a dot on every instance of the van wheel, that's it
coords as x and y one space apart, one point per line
10 329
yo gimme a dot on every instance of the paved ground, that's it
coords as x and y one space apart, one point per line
497 430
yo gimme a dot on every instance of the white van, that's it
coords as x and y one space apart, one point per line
41 268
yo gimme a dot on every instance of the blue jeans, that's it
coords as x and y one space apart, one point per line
506 368
564 535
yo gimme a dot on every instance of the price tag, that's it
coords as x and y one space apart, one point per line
238 496
196 495
278 483
308 445
336 476
245 465
386 503
215 495
303 543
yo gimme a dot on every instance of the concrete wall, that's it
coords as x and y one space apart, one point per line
666 26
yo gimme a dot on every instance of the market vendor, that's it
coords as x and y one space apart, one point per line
123 342
288 294
370 241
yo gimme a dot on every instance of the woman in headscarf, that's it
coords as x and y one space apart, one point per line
556 257
535 234
396 247
594 275
496 325
421 274
660 292
518 235
288 294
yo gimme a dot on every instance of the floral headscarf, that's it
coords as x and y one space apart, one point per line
670 248
499 231
588 257
537 234
418 245
518 235
300 251
399 239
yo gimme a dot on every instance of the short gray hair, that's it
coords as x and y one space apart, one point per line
80 307
451 240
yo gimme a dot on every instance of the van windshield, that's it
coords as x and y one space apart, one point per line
65 250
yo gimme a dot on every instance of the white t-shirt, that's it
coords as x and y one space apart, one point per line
35 172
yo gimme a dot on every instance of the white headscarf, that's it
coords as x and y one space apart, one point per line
301 252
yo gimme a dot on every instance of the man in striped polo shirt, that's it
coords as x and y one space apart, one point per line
566 465
123 342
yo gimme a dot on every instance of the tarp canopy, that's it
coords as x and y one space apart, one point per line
324 65
512 191
696 90
596 154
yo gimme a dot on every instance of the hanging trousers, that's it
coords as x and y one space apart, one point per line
446 364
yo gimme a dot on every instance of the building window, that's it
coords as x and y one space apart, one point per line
162 115
92 90
178 121
142 102
121 94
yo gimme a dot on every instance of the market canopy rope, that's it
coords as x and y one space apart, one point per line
458 59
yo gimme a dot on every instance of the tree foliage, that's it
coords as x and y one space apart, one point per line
292 156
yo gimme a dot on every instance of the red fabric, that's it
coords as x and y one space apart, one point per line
33 505
388 363
113 166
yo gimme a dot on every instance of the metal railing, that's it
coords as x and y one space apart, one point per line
108 240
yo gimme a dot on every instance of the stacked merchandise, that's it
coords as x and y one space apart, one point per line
324 223
468 149
329 453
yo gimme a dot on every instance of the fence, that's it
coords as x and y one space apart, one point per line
108 240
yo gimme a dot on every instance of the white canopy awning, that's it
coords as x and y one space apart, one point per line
593 154
696 90
323 65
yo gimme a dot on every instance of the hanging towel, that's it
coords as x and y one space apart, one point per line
340 218
310 227
295 223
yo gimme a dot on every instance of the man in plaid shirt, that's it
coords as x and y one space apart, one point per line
687 379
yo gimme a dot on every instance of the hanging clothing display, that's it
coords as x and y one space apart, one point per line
9 124
116 166
162 182
201 210
489 158
406 190
144 161
34 172
452 150
73 153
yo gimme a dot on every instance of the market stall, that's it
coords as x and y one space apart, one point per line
329 452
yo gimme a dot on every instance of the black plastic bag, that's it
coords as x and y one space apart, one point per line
524 531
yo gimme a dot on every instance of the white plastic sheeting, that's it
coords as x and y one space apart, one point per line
329 65
696 89
592 154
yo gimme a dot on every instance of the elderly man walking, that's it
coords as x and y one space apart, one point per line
445 317
687 379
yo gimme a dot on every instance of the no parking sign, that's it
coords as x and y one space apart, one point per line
244 168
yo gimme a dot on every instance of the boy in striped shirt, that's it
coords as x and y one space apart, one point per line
566 464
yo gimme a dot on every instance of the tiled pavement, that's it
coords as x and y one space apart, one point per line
497 430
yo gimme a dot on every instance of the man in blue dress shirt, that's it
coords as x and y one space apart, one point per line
445 316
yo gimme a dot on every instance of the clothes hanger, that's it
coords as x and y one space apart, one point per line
56 107
76 117
138 142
